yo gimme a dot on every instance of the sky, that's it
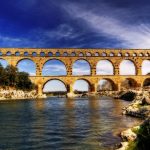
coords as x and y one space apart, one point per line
75 24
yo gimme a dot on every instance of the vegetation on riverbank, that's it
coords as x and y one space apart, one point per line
142 142
11 77
140 107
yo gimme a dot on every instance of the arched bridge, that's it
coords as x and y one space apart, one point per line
69 56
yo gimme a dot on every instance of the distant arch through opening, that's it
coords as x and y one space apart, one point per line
106 85
129 83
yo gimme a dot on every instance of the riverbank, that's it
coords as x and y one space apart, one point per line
13 94
137 137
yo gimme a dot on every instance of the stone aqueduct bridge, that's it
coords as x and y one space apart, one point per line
69 56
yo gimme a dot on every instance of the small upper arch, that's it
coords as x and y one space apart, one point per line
8 53
65 54
111 54
103 54
81 54
88 54
17 53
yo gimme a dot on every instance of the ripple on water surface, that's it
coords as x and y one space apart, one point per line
62 124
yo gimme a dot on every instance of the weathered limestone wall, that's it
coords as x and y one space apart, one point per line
69 56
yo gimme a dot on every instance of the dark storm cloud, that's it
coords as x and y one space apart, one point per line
75 23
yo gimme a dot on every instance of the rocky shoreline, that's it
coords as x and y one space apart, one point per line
140 107
13 94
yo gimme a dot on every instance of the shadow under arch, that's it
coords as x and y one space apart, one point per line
29 67
146 82
108 62
61 66
81 60
58 90
129 83
132 63
114 86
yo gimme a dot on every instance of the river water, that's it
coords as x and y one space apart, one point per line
62 124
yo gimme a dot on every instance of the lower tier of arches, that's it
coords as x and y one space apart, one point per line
90 83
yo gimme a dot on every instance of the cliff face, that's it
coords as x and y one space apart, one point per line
18 94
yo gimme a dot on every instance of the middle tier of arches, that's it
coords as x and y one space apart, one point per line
79 67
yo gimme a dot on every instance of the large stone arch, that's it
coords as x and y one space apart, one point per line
55 79
109 66
129 83
145 67
87 81
88 67
129 63
61 64
146 82
4 62
113 87
27 67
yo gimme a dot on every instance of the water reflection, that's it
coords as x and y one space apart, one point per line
59 123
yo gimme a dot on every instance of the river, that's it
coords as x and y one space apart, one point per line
62 124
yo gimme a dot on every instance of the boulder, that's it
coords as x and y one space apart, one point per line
128 135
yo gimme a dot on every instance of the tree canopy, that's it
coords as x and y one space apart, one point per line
11 77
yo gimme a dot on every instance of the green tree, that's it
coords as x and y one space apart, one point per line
23 81
11 75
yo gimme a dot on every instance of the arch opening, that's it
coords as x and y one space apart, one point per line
73 54
55 87
81 67
127 67
42 54
65 54
104 67
54 67
28 66
8 53
50 54
145 67
106 85
129 83
17 54
26 54
34 54
146 83
3 62
81 86
96 54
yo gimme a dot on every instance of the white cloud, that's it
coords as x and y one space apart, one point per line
62 31
54 67
132 36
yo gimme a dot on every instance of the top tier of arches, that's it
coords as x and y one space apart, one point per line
74 52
